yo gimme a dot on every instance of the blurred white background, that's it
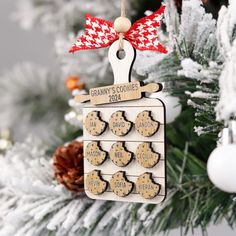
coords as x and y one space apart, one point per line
17 46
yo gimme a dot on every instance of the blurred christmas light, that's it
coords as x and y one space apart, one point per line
74 82
5 140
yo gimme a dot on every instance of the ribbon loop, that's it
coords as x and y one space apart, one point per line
142 35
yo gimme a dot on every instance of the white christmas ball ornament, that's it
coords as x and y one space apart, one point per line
122 24
173 107
221 167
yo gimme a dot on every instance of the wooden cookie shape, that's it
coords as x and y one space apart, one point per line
118 124
146 156
94 124
145 124
94 182
146 186
119 155
94 153
120 185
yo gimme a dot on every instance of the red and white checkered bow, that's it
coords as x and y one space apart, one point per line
142 34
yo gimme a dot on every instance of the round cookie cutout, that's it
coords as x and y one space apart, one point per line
120 185
94 124
94 153
146 156
146 186
119 155
145 124
94 183
118 124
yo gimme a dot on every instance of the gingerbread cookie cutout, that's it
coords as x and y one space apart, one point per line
94 154
119 155
145 124
94 182
118 124
94 124
146 186
146 156
120 185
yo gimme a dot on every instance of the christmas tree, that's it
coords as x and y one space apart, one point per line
41 178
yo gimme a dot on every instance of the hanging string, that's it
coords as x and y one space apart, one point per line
122 8
122 14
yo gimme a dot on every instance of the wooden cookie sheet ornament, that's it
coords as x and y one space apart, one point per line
118 124
94 182
148 117
146 186
119 155
94 153
145 124
94 124
146 156
127 98
120 185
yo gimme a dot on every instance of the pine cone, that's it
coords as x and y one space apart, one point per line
68 166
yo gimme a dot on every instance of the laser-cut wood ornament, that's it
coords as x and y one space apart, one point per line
132 134
121 119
